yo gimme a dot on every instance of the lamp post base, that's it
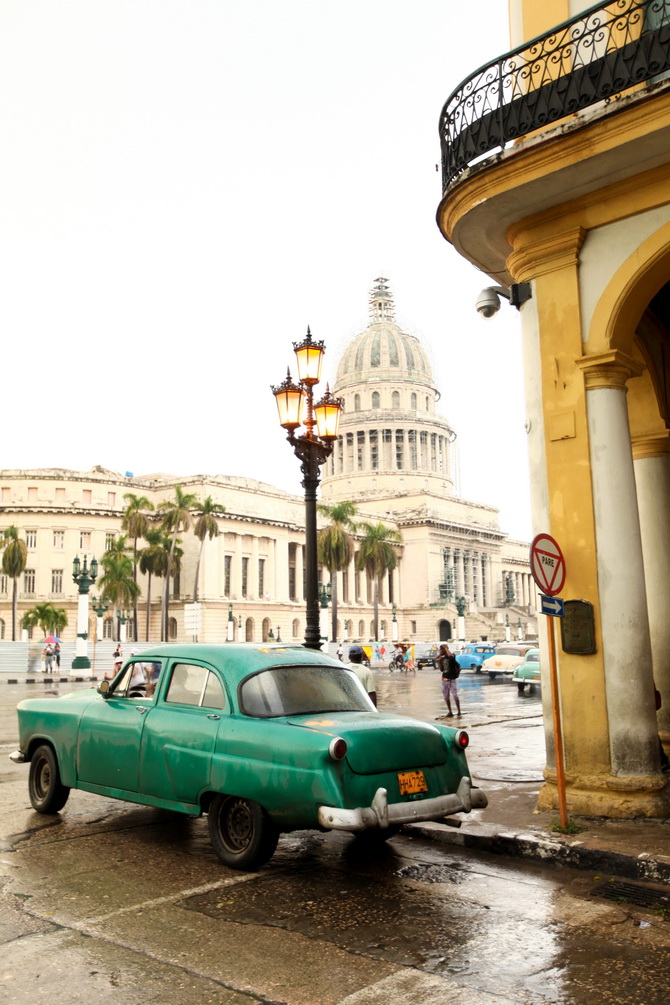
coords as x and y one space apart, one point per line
81 663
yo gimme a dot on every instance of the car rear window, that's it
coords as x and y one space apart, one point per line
302 690
533 658
506 651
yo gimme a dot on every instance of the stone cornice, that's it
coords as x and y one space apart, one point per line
537 258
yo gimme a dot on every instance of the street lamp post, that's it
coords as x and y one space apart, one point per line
99 606
278 635
230 631
507 628
123 616
325 596
460 603
295 403
84 576
394 626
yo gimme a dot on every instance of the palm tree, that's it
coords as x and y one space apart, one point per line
52 620
335 546
377 555
205 526
153 561
136 523
176 519
14 559
117 583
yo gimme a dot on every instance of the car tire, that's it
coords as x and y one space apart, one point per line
521 688
473 666
241 832
47 792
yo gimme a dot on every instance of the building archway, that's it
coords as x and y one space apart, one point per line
444 630
249 630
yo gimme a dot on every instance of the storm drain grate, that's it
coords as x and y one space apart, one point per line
632 893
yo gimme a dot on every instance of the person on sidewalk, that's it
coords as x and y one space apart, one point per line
48 659
363 673
450 671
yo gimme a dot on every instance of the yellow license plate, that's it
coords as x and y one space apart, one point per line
411 782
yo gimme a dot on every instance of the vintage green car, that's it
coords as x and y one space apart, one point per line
263 739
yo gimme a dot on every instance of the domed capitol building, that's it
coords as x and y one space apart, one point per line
395 460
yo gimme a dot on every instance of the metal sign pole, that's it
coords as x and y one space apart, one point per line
558 734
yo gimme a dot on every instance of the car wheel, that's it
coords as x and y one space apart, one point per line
47 792
521 688
392 666
473 666
241 832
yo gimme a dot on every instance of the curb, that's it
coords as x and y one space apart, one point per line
45 679
576 854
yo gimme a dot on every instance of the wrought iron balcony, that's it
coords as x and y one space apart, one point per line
594 56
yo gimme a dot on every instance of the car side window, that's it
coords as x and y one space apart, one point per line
195 685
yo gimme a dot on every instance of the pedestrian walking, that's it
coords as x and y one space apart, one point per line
408 661
57 655
450 671
364 674
340 652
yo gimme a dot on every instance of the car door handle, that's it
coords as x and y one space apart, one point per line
212 716
141 708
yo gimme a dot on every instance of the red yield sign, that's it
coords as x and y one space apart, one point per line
547 564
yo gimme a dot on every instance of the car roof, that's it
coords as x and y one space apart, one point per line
241 659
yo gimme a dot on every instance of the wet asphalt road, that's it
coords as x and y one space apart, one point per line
110 902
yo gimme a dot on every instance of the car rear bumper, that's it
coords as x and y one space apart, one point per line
381 813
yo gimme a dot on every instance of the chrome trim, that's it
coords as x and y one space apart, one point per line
17 757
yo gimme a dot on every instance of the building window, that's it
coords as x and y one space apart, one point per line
413 624
87 495
376 400
399 449
360 450
357 403
59 539
29 581
109 541
2 629
350 451
56 580
382 629
111 499
245 576
412 401
3 584
227 566
427 408
31 538
85 540
374 449
108 628
361 629
295 628
395 399
261 578
411 440
172 628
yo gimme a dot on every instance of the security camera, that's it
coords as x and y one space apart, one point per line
488 302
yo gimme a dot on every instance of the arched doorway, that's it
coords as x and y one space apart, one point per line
444 630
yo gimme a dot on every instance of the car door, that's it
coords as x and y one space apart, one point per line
179 738
109 737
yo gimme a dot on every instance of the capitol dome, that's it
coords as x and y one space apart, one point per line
393 442
383 351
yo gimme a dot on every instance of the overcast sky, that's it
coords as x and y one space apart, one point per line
187 184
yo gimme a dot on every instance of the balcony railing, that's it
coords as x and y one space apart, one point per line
594 56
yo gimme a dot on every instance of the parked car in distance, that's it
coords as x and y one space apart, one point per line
528 672
428 658
263 739
474 654
507 657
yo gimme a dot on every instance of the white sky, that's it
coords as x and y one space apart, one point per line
185 185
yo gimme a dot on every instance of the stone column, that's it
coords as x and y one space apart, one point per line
458 566
236 568
621 585
254 592
652 477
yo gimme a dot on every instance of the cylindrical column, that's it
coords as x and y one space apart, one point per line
652 477
623 606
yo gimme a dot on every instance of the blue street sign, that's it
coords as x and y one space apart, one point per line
551 605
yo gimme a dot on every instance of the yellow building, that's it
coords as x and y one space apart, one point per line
556 175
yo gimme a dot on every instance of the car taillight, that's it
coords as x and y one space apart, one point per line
461 739
337 748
